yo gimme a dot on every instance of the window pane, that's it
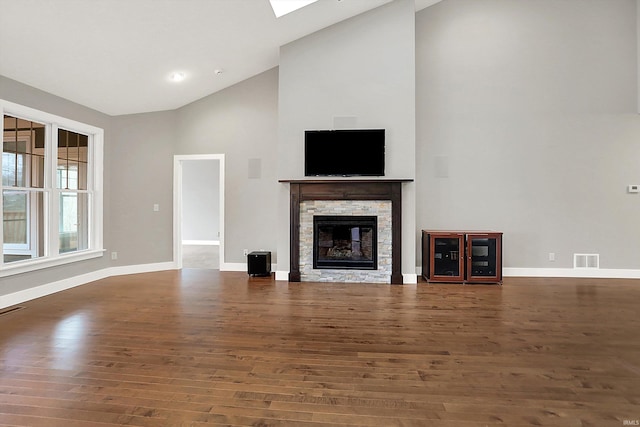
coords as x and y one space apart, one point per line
23 225
13 170
67 176
72 156
14 214
73 227
22 153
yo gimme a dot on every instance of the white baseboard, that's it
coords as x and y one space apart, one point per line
242 266
71 282
140 268
409 279
61 285
233 266
50 288
600 273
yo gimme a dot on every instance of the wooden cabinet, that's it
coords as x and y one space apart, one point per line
443 256
462 256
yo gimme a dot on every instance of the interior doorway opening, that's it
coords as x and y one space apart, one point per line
199 211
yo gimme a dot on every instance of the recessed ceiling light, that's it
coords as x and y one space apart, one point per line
282 7
177 76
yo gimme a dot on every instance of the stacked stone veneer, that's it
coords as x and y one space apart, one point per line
379 208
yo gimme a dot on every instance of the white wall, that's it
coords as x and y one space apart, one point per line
362 68
526 124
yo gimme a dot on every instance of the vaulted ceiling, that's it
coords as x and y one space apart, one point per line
117 56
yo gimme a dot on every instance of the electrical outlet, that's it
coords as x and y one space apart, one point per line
114 255
245 252
552 256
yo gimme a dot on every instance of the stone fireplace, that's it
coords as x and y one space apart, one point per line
346 215
376 198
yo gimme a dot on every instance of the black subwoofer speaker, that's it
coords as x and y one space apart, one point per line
259 263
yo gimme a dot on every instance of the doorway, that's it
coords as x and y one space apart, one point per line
198 220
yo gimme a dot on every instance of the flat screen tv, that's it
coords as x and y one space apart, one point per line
348 152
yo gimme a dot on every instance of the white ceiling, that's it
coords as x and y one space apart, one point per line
116 56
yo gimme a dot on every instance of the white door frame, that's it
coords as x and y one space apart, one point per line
177 204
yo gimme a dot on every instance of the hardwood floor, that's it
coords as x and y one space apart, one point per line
201 347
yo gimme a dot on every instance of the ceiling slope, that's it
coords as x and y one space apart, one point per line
116 56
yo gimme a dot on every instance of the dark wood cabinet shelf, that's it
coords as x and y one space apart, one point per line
462 256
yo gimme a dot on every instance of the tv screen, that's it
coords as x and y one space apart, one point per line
349 152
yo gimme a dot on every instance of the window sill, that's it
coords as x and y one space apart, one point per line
20 267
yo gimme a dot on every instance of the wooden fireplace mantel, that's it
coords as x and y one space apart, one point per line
346 189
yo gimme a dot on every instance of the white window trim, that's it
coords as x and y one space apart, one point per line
96 155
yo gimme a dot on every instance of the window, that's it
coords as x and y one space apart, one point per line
22 189
71 180
51 190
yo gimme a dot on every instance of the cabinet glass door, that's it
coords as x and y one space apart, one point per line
447 259
484 260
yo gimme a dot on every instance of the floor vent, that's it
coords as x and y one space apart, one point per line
10 310
586 260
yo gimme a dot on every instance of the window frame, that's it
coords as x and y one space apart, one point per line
95 156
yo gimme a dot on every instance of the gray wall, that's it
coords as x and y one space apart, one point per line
240 122
363 68
200 199
142 172
526 124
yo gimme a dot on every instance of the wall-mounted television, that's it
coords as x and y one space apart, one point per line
346 152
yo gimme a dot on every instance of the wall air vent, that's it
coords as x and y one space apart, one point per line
586 260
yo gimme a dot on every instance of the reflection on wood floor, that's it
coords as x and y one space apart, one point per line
203 347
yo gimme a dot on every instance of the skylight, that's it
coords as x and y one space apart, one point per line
282 7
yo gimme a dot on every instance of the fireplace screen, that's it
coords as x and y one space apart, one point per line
345 242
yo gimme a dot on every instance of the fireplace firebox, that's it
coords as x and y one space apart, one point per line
345 242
